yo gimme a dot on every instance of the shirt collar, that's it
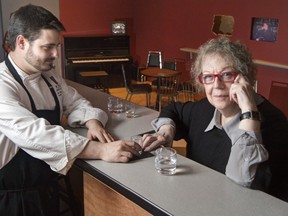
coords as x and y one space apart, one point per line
228 127
21 73
215 121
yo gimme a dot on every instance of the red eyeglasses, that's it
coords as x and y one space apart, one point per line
224 76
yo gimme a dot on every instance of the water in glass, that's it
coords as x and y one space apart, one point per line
166 160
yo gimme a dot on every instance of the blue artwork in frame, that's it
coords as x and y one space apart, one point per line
264 29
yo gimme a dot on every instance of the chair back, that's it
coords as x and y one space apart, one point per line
154 59
188 90
169 64
181 67
168 85
278 96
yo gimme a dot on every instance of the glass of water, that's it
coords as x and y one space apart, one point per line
166 160
111 104
130 110
137 139
115 105
118 106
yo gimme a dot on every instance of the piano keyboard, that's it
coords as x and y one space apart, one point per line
79 61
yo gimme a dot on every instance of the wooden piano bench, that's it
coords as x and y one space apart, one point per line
95 79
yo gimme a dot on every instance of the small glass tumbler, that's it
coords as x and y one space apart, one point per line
118 106
115 105
111 104
130 110
137 139
166 160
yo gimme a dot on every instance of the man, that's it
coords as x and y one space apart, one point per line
265 33
34 148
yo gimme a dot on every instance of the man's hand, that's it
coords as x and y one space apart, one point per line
117 151
97 132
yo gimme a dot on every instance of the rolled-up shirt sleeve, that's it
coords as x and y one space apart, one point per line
247 151
158 122
74 144
81 116
79 110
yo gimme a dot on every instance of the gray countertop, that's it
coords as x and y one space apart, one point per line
194 189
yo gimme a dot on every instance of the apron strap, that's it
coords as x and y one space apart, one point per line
19 80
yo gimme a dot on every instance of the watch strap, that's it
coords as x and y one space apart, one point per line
254 115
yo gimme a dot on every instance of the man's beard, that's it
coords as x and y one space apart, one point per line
39 64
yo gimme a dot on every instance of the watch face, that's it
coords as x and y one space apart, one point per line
119 28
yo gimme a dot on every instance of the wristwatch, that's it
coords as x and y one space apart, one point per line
254 115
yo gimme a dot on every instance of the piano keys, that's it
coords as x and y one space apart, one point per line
101 60
92 53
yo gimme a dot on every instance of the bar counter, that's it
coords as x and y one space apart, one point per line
118 125
135 188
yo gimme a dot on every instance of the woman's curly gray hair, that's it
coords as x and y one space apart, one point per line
235 53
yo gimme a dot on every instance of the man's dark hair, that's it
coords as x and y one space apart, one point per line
28 21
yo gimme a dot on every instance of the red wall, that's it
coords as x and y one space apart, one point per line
168 25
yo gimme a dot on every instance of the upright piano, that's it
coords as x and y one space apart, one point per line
97 53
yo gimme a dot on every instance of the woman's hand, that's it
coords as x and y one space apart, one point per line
152 141
243 94
164 137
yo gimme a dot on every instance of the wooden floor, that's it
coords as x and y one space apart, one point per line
180 146
141 99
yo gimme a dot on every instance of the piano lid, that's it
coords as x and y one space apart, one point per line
96 46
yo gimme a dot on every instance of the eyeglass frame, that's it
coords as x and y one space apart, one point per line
200 77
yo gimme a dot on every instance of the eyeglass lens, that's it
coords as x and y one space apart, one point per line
224 76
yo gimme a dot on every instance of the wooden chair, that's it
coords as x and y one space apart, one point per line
188 90
94 79
167 87
169 64
136 88
154 59
278 96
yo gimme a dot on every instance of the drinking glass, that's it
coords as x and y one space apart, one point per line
137 139
130 110
166 160
118 108
115 105
111 104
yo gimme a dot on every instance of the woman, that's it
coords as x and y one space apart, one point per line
233 130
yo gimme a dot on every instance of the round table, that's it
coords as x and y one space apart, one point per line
157 73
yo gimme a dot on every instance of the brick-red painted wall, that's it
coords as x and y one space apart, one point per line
168 25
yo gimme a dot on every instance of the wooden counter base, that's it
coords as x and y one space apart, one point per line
99 199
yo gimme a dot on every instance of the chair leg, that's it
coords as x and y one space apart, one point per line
175 98
159 103
148 99
126 96
130 96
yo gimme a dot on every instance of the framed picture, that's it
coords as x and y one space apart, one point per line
264 29
223 25
119 28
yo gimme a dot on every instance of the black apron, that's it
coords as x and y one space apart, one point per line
28 186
